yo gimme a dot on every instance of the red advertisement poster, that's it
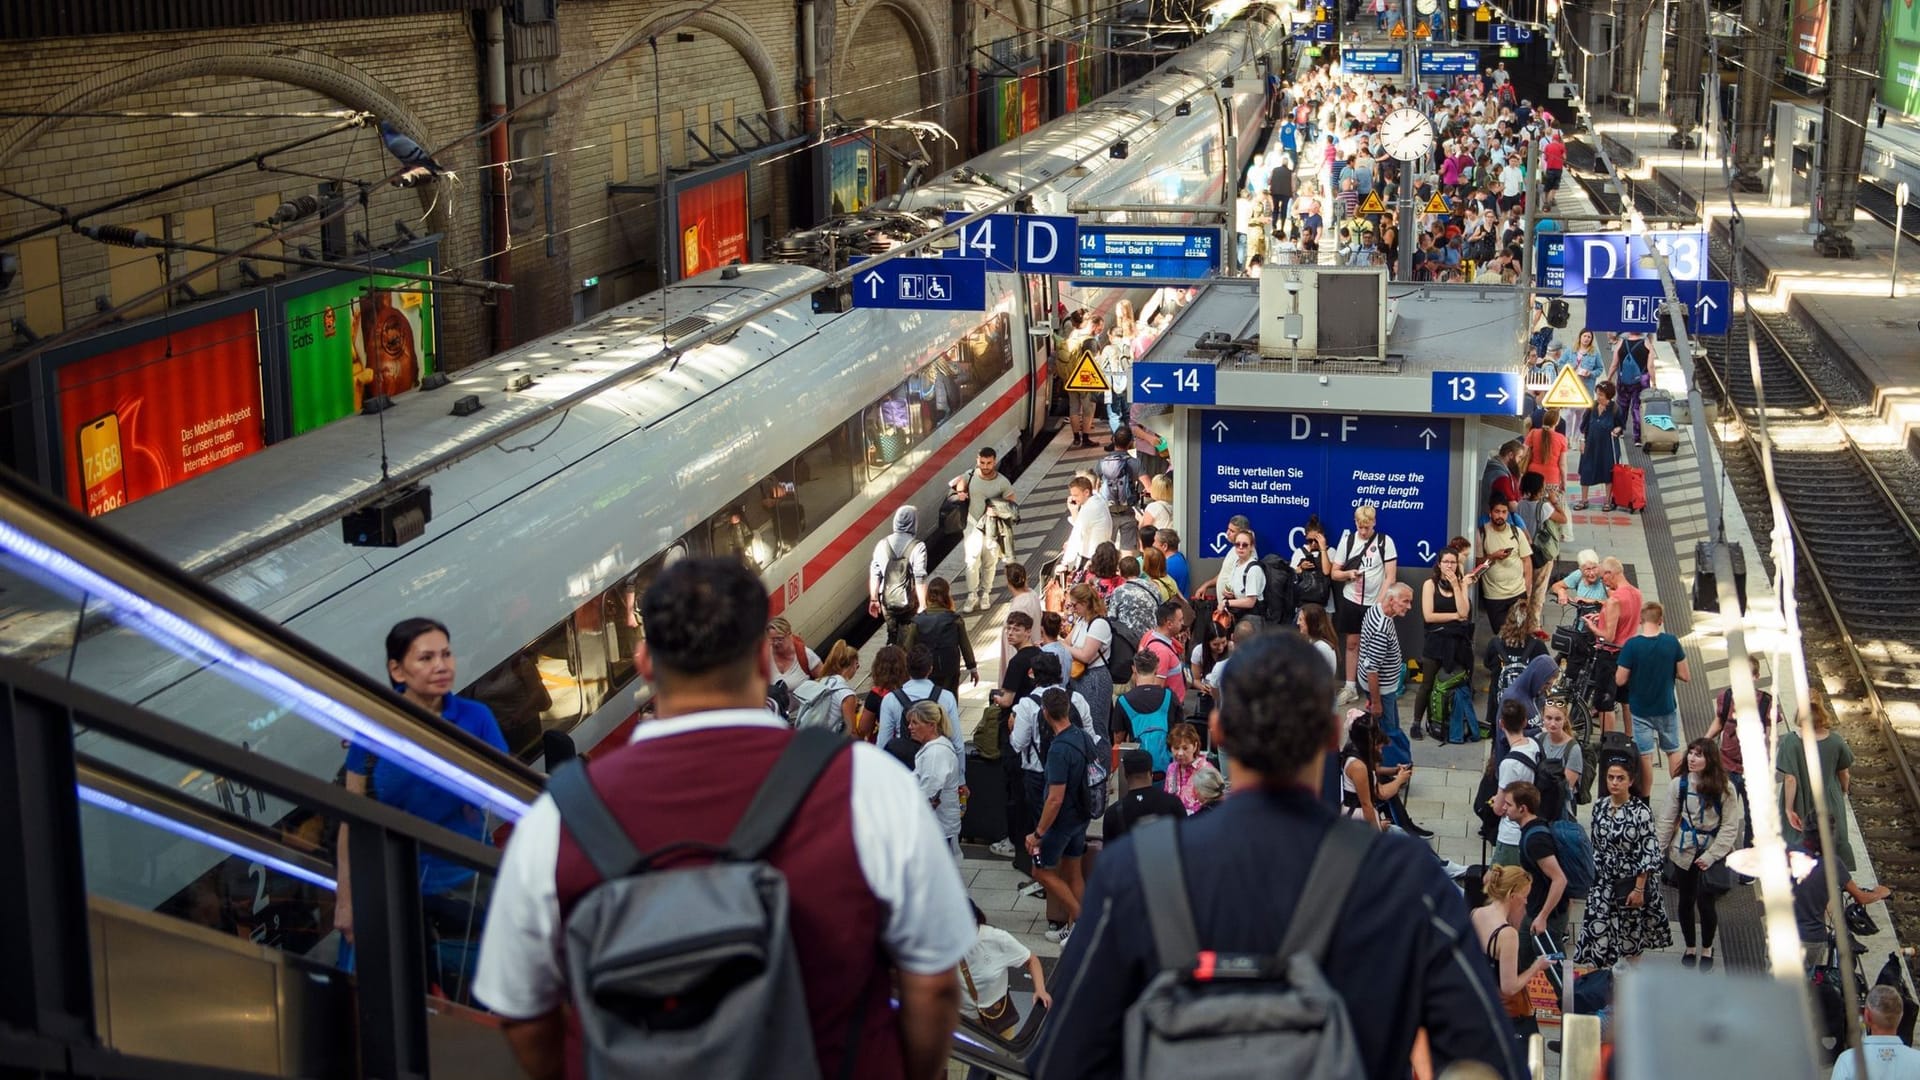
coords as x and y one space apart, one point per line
713 224
1029 103
1810 38
141 419
1073 77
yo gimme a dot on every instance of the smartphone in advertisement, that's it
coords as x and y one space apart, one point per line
103 474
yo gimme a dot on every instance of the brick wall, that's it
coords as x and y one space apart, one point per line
422 71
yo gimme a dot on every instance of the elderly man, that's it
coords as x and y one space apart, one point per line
1382 666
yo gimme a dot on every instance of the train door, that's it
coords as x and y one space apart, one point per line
1037 292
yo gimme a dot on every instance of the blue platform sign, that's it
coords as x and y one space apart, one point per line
1278 467
1508 34
1624 304
1449 62
922 284
1173 384
1606 255
1109 252
1479 393
1031 243
1373 61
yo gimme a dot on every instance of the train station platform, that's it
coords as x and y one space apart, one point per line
1656 546
1842 303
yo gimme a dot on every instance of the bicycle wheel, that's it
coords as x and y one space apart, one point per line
1585 729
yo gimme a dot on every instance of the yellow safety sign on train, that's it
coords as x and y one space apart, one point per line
1087 377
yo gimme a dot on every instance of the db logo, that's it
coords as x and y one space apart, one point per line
793 589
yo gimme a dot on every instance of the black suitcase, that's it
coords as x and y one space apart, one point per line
985 820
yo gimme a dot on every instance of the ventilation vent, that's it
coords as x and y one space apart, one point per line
687 327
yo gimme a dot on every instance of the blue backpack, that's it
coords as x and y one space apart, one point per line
1150 729
1575 852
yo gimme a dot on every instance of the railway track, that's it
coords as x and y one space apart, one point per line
1845 495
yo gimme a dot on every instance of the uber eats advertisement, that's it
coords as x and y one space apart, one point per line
363 337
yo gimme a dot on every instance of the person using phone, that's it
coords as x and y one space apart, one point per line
1508 556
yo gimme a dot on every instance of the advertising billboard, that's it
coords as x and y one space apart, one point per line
363 337
1900 77
144 417
712 219
1006 99
1030 91
1073 75
850 174
1810 37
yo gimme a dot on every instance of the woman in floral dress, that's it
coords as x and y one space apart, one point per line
1626 914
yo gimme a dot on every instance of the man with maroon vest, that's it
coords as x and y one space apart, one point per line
874 894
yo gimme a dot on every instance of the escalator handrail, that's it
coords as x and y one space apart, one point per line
507 786
170 738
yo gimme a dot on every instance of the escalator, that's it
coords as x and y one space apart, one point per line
168 862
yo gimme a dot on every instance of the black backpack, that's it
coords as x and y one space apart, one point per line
1278 602
1490 786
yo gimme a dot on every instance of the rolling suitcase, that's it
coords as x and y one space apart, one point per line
1628 487
1658 431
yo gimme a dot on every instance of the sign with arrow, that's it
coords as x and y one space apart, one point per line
1277 467
1173 384
1627 304
922 284
1478 393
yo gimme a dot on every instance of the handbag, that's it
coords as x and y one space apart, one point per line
1717 880
1622 889
1001 1017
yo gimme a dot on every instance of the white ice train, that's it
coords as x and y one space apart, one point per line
791 442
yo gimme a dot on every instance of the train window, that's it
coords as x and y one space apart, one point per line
519 693
743 531
981 357
808 490
894 425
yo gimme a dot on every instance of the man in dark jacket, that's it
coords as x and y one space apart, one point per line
1406 959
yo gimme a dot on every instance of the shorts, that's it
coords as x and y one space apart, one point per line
1550 180
1061 844
1663 729
1605 693
1347 615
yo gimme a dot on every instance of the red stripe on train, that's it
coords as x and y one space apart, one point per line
854 535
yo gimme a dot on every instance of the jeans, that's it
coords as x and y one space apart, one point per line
1390 726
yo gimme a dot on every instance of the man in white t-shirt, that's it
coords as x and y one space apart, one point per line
1887 1057
1520 762
1092 524
990 499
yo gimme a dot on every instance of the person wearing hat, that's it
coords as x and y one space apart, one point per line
1142 800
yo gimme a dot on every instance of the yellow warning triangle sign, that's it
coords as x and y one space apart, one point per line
1484 14
1373 205
1087 376
1567 392
1399 30
1420 31
1437 204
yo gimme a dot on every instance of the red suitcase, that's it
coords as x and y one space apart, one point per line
1629 488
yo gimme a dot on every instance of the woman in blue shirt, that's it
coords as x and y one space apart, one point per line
421 668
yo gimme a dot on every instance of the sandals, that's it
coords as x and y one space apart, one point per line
1609 507
1579 504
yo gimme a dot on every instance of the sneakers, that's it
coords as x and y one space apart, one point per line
973 604
1454 869
982 602
1060 936
1002 848
1033 889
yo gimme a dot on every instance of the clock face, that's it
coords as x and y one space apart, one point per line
1426 7
1407 134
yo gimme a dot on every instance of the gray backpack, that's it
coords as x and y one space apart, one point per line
1243 1014
689 970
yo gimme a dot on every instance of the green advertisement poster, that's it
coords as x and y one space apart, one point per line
354 340
1007 96
1903 21
1900 79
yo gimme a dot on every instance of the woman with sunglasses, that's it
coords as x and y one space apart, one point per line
1626 914
1241 582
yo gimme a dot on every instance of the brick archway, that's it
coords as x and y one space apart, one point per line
922 30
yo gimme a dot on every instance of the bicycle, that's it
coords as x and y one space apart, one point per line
1576 684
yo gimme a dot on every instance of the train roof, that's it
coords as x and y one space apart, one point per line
202 523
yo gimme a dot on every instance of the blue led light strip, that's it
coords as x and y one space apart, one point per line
187 639
200 836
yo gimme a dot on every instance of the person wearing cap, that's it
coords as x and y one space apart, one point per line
1142 799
